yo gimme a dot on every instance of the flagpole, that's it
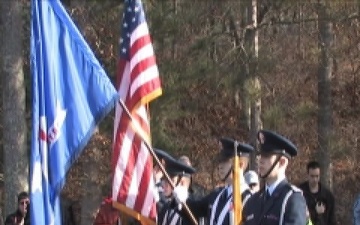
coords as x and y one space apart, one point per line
236 188
168 179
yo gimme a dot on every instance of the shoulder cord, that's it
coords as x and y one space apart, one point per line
282 213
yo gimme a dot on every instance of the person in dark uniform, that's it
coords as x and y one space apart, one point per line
279 202
217 206
163 156
319 199
180 174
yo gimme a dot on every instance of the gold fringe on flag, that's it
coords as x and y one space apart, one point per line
133 213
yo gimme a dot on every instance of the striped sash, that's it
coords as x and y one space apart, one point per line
221 208
171 218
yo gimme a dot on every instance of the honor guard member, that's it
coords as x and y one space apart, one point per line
180 174
279 202
163 156
158 175
218 205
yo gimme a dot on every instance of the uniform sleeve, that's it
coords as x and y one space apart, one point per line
356 211
246 210
295 210
199 207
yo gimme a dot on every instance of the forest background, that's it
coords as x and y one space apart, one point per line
228 68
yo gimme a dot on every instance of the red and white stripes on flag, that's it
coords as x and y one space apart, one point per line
138 83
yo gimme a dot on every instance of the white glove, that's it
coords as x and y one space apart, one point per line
156 194
180 193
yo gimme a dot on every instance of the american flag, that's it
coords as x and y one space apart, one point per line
138 83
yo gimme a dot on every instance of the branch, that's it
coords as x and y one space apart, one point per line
309 20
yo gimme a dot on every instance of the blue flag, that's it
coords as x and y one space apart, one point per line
71 93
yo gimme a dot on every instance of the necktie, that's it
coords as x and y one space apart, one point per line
266 195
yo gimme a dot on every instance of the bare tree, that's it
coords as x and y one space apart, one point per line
324 90
250 88
16 157
255 99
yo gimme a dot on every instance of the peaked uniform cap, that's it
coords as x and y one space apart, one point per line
227 149
273 143
175 167
163 155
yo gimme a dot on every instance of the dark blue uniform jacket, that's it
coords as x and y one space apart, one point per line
286 206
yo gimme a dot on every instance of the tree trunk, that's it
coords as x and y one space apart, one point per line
91 200
1 123
241 99
16 158
255 86
174 40
324 92
212 55
248 95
